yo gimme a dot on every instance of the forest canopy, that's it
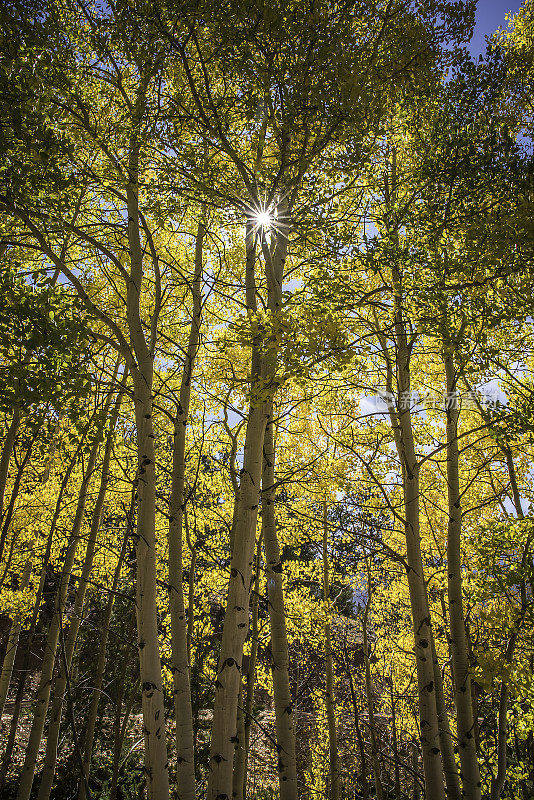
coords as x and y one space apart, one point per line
266 401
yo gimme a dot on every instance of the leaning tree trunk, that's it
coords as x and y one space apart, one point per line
47 670
185 753
6 760
8 515
283 703
60 686
237 612
470 772
263 386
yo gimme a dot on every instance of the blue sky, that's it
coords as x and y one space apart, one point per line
490 14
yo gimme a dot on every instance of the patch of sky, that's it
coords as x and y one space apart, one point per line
490 15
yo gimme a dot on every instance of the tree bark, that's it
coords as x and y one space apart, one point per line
251 672
6 760
369 692
470 772
43 691
335 783
283 703
13 640
185 753
47 776
238 777
358 729
156 761
452 779
237 610
92 714
5 458
430 743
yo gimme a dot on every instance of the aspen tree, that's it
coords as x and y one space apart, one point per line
156 761
6 759
358 728
251 671
179 624
13 640
237 610
369 689
69 644
283 702
498 779
44 688
92 714
5 458
470 773
410 471
335 778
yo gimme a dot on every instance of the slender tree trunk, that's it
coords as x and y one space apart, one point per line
335 787
395 742
369 692
6 760
238 777
452 779
70 709
497 782
156 761
185 753
474 696
43 691
404 441
359 735
415 770
283 703
434 784
191 604
14 634
462 679
119 729
5 457
237 610
513 482
92 714
13 640
49 767
251 672
6 519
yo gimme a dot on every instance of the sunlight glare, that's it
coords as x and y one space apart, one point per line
263 219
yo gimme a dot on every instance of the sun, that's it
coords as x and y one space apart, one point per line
263 219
